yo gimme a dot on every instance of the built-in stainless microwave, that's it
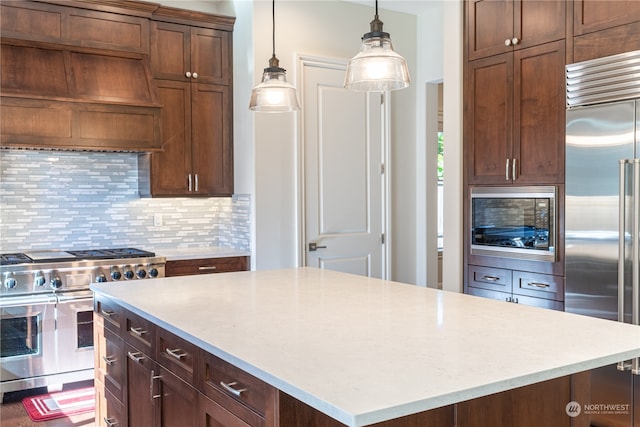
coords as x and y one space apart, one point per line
514 222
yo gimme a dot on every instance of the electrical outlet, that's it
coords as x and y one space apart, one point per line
157 219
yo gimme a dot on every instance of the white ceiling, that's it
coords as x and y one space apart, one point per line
413 7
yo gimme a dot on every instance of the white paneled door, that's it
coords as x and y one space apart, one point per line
343 173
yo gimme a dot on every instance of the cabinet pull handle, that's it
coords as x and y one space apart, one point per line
538 285
514 169
190 183
491 278
110 422
515 41
107 313
136 357
506 171
152 379
175 353
188 74
207 267
230 389
137 331
507 42
515 300
195 75
109 360
196 174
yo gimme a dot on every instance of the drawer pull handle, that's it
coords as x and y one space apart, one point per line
137 331
538 285
176 353
208 267
491 278
230 389
110 422
109 360
107 313
136 357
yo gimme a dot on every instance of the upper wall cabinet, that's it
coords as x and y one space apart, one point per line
604 27
181 52
192 66
514 117
498 26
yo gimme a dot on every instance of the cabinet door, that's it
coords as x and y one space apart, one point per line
170 51
109 359
211 414
489 25
179 401
170 168
499 26
488 119
595 15
141 400
539 21
210 56
212 150
539 115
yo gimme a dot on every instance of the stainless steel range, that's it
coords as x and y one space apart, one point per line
46 311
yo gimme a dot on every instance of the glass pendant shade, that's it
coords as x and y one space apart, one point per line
274 94
377 67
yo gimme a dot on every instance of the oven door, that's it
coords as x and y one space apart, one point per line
74 318
27 333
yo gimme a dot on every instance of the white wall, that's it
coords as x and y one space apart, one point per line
266 146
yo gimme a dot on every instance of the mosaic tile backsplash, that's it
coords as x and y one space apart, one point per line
82 200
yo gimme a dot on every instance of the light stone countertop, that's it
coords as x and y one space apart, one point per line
179 254
364 350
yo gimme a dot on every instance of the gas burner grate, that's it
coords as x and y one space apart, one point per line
117 253
10 259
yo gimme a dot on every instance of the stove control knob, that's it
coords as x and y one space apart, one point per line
153 272
128 273
56 282
39 280
10 281
101 278
141 273
115 273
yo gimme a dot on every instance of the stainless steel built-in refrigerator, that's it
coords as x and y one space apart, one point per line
602 208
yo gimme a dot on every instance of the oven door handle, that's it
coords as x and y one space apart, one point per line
21 301
75 297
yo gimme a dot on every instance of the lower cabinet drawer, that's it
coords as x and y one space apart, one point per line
109 410
177 355
538 285
206 266
219 377
494 279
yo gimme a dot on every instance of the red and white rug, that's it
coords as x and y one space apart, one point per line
61 404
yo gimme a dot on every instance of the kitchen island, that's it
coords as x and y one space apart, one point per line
362 351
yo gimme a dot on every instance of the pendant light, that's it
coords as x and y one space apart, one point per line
377 67
274 94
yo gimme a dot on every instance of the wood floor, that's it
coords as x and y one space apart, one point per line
13 414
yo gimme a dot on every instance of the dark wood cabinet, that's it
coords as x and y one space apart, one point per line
541 404
192 67
520 287
496 27
514 121
603 28
206 266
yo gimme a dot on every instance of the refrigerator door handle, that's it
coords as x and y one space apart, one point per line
635 259
622 366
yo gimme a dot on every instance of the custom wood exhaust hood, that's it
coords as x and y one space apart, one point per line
62 90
